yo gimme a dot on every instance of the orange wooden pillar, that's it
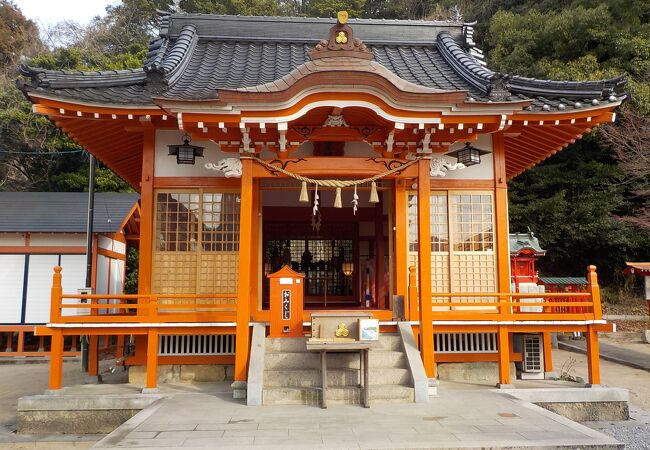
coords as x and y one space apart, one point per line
56 361
424 267
146 227
593 353
593 357
152 360
244 282
501 213
401 246
93 356
119 347
56 344
380 269
504 357
502 252
20 348
256 256
548 352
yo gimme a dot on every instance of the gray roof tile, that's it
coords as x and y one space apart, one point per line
62 211
196 55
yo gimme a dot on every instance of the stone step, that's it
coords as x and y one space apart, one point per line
296 360
337 395
389 342
335 377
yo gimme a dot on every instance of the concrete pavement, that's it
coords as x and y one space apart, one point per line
458 418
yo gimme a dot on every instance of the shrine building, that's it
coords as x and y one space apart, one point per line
302 148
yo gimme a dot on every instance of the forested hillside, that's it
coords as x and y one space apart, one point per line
588 204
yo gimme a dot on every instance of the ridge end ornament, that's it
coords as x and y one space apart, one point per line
438 167
499 87
231 167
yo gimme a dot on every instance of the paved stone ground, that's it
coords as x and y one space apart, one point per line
458 418
30 378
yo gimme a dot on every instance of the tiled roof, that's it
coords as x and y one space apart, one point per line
563 280
62 211
524 241
196 55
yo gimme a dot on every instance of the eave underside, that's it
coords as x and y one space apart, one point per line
115 136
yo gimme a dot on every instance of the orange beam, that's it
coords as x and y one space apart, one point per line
38 250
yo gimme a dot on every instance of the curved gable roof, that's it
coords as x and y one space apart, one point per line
196 55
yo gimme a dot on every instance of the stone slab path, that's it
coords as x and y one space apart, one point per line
457 418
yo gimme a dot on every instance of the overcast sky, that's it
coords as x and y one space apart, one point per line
48 12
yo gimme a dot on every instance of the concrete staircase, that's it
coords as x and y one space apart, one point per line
292 375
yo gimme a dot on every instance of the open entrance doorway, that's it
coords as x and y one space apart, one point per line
345 257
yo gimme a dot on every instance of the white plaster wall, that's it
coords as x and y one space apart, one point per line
483 171
116 281
105 243
12 239
165 165
119 247
38 287
11 280
74 277
58 240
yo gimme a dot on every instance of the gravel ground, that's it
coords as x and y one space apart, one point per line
635 433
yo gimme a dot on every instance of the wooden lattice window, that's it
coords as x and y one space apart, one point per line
473 229
196 247
463 260
439 222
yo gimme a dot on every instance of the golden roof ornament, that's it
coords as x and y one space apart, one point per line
341 42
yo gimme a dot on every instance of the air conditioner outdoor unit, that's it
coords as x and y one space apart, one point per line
533 363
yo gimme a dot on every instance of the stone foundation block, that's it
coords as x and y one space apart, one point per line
590 411
472 372
76 414
184 373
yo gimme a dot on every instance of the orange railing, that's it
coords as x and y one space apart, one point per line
138 308
500 306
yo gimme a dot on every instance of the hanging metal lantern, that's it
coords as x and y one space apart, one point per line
468 155
347 268
186 153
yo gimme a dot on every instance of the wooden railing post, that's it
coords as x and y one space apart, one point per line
594 290
57 293
413 294
56 360
152 311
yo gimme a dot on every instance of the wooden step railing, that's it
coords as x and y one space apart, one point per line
139 308
507 306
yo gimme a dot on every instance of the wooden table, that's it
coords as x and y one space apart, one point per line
361 347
